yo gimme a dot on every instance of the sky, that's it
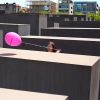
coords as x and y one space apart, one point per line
23 3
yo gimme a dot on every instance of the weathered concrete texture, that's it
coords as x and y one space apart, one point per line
95 82
42 22
70 21
84 46
31 19
56 73
21 29
85 24
1 38
72 32
11 94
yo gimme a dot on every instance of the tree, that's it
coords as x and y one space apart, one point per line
95 17
91 15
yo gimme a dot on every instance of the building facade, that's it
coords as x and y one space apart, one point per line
9 8
86 7
65 6
37 6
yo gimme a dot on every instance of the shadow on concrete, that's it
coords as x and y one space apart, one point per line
7 54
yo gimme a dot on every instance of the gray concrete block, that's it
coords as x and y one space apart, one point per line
1 38
77 76
71 32
21 29
84 46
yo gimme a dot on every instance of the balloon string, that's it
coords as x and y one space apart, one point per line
38 45
11 41
35 45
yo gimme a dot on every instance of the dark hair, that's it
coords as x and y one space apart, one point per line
54 48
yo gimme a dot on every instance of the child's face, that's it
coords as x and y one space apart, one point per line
50 47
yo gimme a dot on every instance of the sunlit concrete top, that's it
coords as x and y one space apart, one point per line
11 24
62 38
49 56
9 94
71 28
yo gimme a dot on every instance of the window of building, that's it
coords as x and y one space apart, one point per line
7 5
59 6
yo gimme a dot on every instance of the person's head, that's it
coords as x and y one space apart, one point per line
51 47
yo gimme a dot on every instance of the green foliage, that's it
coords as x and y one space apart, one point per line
60 13
78 13
95 17
44 12
91 15
48 12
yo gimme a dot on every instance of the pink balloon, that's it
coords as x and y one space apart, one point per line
13 39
